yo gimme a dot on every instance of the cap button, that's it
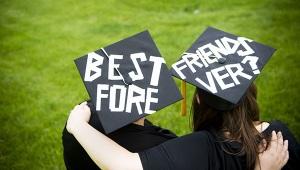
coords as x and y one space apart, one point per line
221 60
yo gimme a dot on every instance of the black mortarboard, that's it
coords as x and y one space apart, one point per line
223 65
127 80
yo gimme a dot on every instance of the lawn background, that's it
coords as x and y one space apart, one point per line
40 39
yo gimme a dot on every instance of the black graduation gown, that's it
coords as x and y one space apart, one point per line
133 137
203 151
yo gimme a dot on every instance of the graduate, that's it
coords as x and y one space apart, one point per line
227 133
223 67
122 80
135 137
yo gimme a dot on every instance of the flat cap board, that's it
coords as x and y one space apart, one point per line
222 64
127 80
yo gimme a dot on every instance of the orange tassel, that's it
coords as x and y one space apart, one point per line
183 101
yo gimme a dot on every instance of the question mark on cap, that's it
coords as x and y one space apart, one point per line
252 62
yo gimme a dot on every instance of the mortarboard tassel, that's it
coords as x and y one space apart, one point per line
183 101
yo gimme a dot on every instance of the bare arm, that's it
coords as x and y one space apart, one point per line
103 151
109 155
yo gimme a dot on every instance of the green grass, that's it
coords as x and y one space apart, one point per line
39 82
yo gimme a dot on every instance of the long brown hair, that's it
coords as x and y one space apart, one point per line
234 125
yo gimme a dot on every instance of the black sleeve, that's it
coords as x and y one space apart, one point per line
294 147
187 152
75 157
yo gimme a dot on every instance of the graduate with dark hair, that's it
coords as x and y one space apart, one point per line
121 80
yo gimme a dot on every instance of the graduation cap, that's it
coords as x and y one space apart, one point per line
127 80
223 65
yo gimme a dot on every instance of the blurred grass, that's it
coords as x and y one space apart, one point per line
40 38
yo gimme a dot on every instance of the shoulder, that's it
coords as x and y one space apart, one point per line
277 125
294 147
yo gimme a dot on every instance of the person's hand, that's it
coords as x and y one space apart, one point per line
80 114
275 156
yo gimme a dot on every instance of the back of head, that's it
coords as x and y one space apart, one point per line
235 124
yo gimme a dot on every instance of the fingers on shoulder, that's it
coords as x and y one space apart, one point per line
273 142
285 152
280 141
